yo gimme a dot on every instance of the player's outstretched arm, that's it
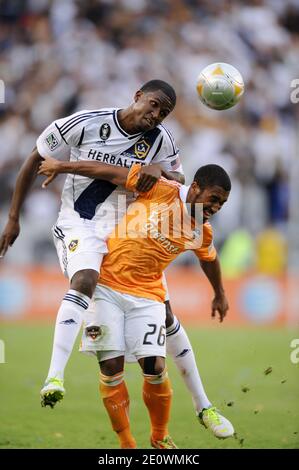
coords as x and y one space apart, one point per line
174 175
116 175
51 167
25 179
149 174
212 270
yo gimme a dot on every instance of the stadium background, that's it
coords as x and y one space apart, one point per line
57 57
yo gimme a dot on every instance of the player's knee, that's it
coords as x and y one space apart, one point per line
153 365
169 314
85 281
159 365
112 366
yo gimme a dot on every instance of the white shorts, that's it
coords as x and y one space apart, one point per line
124 323
78 247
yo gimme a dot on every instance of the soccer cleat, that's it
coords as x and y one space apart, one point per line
52 392
166 443
213 420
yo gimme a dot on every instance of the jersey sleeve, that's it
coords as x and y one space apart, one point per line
58 138
168 155
207 251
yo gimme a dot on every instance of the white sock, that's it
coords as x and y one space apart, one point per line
68 324
180 349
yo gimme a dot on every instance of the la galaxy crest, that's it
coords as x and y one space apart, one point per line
141 149
73 245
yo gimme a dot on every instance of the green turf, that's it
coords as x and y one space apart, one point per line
266 416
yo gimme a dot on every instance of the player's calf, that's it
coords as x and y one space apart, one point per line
115 396
157 395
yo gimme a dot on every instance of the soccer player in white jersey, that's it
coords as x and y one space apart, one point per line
90 208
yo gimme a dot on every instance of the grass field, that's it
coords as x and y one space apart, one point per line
265 416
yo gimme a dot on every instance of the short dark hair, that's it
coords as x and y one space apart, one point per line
154 85
212 175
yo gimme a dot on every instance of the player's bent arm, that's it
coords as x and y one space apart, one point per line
212 270
96 170
25 179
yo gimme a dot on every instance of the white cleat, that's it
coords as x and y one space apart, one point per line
52 392
211 419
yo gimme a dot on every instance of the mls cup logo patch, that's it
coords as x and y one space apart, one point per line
141 149
105 131
73 245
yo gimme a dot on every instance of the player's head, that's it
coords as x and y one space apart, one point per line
211 187
152 103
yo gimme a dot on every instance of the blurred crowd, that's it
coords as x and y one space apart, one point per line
60 56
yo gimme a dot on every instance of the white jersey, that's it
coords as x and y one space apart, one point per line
97 136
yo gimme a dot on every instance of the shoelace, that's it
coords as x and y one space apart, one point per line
213 416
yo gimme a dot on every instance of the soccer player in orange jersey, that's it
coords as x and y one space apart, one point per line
129 312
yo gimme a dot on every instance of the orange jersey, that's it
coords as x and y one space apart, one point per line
154 231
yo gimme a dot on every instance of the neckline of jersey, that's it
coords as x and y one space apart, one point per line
121 130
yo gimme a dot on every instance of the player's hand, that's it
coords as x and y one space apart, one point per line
48 180
220 305
48 167
148 176
9 235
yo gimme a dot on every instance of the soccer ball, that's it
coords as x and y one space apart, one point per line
220 86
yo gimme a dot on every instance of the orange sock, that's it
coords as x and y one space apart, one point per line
115 396
157 395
